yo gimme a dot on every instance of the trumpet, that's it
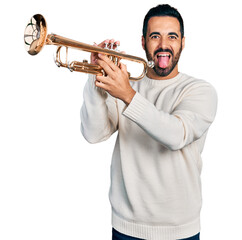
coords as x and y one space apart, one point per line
35 37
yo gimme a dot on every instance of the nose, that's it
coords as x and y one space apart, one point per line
164 44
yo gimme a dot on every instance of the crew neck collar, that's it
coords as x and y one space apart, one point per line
169 81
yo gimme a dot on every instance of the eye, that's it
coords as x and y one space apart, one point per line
155 37
173 37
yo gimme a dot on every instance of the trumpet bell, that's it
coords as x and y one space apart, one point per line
35 34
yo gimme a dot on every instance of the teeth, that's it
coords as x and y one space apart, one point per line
163 55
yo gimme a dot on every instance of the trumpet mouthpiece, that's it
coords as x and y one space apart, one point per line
151 64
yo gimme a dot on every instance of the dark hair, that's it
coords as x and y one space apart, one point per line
163 10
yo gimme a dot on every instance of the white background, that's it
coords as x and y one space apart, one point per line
53 184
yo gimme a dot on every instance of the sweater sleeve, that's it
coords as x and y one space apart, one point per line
99 118
188 121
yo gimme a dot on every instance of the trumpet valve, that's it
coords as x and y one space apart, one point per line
117 44
112 44
106 44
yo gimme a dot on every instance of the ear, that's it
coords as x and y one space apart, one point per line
143 42
183 43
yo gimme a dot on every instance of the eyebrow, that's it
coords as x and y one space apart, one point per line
173 33
154 33
169 34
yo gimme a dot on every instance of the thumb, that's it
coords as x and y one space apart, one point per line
123 67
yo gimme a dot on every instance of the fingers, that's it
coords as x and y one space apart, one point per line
102 82
102 79
112 76
106 63
106 44
94 56
110 69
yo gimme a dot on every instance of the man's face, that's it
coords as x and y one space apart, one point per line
163 44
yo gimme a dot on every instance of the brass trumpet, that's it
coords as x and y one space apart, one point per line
35 37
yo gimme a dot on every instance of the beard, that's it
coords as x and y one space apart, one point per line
163 72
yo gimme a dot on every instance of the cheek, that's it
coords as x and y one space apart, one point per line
177 47
151 47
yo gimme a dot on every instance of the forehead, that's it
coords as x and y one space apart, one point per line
163 25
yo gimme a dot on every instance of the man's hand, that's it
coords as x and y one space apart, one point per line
116 81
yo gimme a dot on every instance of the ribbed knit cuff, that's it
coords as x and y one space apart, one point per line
136 108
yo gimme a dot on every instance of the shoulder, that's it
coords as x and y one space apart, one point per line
198 96
190 80
193 84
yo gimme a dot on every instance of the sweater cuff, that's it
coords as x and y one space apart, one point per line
136 108
93 89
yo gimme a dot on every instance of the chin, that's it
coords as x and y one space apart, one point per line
162 72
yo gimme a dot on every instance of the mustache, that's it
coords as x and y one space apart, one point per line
163 50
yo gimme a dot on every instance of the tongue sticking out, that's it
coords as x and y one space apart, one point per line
163 61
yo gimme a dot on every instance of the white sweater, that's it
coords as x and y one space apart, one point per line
155 189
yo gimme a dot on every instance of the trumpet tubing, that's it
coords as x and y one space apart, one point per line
35 37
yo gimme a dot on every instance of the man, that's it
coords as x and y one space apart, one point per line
162 122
